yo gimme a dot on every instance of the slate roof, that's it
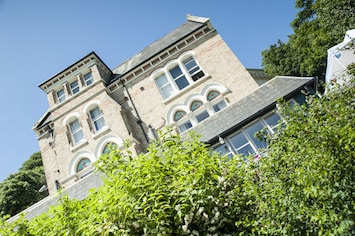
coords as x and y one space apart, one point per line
248 108
159 45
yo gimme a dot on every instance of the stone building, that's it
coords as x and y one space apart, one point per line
188 80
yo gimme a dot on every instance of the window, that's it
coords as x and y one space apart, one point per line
109 147
82 164
177 77
219 106
164 85
74 86
193 69
88 79
185 126
61 95
223 150
202 116
76 131
245 142
97 119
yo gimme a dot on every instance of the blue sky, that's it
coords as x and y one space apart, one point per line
39 38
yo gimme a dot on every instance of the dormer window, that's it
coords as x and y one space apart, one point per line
88 79
61 95
74 87
177 75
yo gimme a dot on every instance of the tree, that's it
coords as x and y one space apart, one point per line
307 179
319 25
20 190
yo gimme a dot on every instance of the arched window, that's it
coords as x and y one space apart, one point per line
195 105
178 115
82 164
109 147
212 95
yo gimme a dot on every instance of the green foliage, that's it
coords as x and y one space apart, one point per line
319 25
20 190
304 186
308 177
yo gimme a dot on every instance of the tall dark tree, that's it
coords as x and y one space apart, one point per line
319 25
20 190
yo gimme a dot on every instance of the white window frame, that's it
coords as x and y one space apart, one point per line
97 120
250 141
88 80
185 73
61 97
76 132
74 89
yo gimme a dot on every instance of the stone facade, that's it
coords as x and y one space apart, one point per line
188 80
129 100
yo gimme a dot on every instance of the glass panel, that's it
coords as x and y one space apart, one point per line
246 150
97 119
178 115
195 105
76 131
219 106
109 147
175 72
191 66
238 140
182 82
223 150
162 80
61 95
167 91
164 86
179 77
212 95
202 116
185 126
272 120
251 130
83 163
88 79
74 87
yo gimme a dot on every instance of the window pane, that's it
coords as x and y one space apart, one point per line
83 163
162 80
202 116
179 77
272 120
246 150
219 106
175 72
97 119
164 85
178 115
195 105
76 131
167 91
238 140
223 150
251 130
182 82
61 95
185 126
194 70
88 79
74 87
